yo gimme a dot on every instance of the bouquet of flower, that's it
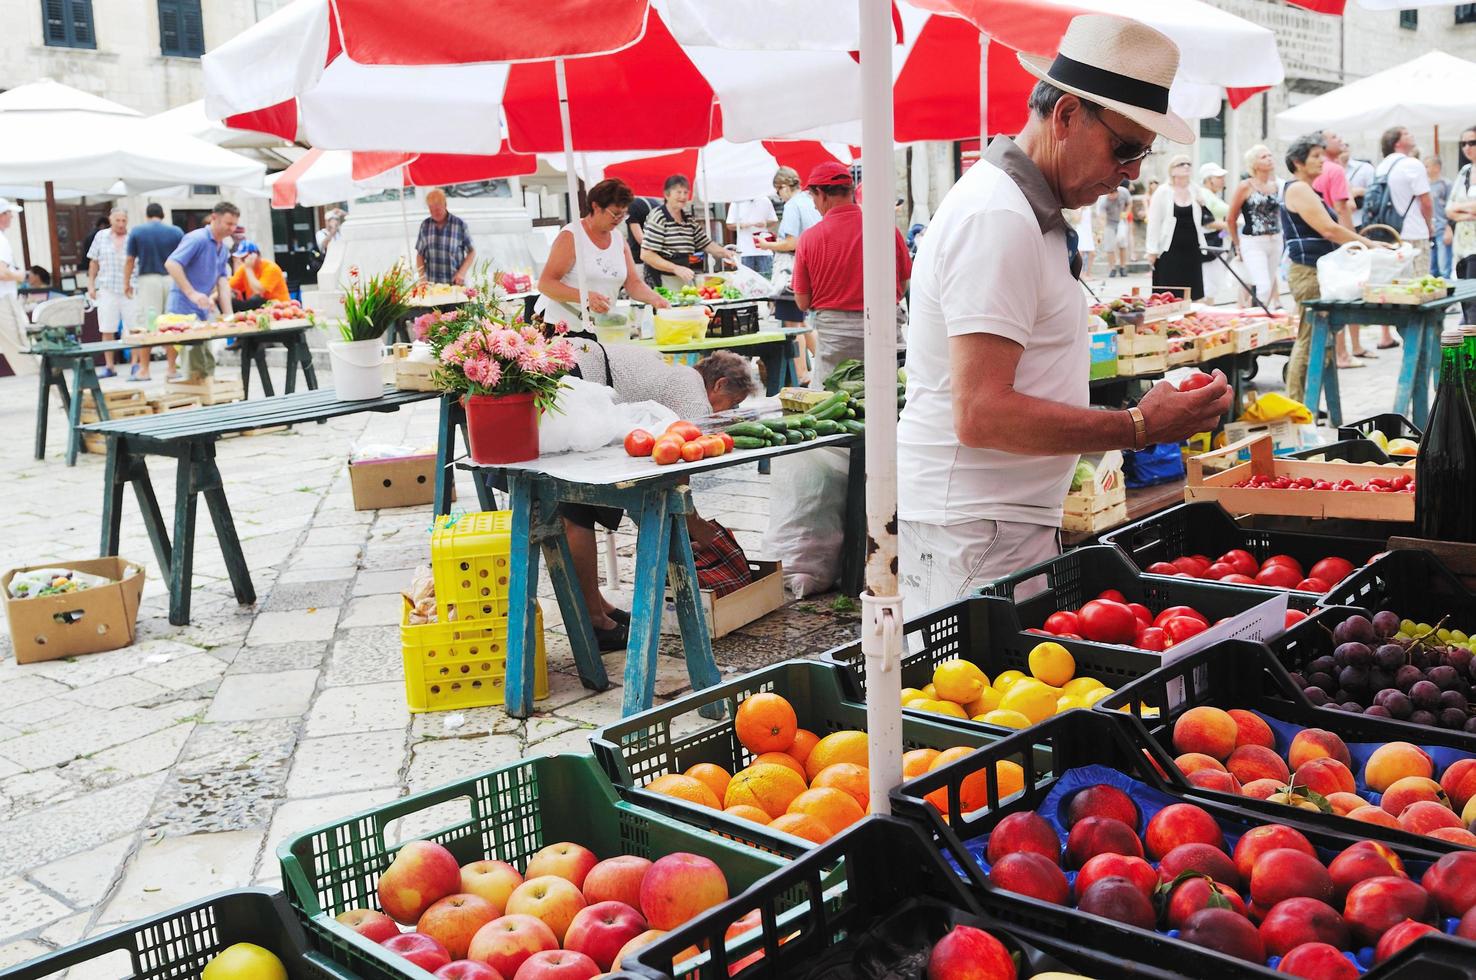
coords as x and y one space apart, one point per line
371 306
482 350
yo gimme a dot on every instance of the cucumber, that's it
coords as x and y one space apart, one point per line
794 436
826 427
831 412
749 442
750 430
778 425
839 398
854 426
850 413
808 434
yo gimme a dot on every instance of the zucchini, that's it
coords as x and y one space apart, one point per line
808 434
854 426
778 425
831 412
827 427
850 413
794 437
749 430
839 398
749 442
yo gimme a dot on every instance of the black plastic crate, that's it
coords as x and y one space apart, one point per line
1244 675
1204 528
1113 749
1391 425
1344 451
671 738
985 631
891 874
733 321
177 945
1411 582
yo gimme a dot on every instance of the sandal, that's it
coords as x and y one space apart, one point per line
1389 346
617 637
1366 353
1351 364
620 616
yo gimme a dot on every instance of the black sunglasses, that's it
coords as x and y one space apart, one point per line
1466 143
1123 151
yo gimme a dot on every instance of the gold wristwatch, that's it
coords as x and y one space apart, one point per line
1140 428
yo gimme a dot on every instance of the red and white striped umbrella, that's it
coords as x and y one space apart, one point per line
327 176
1335 7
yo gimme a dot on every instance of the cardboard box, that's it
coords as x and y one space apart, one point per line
1104 354
736 609
1286 435
91 621
407 481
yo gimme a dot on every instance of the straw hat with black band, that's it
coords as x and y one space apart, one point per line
1119 64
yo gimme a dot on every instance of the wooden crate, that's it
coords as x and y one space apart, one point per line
1249 337
118 396
209 391
414 375
93 443
1133 339
165 402
1138 365
1168 311
1215 344
1184 350
738 608
1090 513
1356 505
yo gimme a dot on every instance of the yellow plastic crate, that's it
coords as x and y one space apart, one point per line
461 665
472 565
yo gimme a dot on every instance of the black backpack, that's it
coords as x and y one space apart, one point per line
1378 203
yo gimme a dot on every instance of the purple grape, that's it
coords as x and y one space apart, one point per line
1452 699
1353 679
1322 665
1390 656
1317 695
1397 703
1354 654
1442 677
1407 677
1324 681
1379 679
1425 695
1459 658
1386 623
1378 711
1453 718
1354 629
1426 718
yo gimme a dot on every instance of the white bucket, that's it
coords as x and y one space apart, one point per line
357 374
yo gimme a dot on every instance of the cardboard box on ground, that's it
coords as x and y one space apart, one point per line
72 623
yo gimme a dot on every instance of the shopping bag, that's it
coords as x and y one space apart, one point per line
1342 274
721 564
750 284
1387 264
783 277
807 510
1156 464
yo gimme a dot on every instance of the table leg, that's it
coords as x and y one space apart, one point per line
84 378
577 624
305 358
210 482
445 449
43 406
1332 392
1413 339
245 348
259 355
522 588
653 546
182 558
853 548
1427 372
113 486
773 358
291 350
681 572
1317 355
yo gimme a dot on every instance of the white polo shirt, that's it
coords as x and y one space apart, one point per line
994 261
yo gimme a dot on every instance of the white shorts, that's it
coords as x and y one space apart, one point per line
940 564
1115 235
114 311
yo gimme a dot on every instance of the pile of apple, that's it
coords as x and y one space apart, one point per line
1110 618
1271 895
1235 752
567 916
1240 567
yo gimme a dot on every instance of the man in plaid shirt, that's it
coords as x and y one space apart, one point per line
106 287
443 249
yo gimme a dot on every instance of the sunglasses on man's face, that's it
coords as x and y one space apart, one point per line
1124 151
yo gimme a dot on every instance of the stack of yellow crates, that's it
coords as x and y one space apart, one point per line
460 661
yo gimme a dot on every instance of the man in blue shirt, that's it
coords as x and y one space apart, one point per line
443 249
149 246
200 267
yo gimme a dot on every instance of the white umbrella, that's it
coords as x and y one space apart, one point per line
191 120
1433 90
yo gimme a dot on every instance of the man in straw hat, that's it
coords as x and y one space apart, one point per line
997 362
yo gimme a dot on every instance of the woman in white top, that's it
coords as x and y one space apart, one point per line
1257 238
1175 232
1460 211
800 214
603 256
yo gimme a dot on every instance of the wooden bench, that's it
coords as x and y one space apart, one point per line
190 438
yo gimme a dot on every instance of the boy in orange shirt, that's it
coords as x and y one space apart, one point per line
257 280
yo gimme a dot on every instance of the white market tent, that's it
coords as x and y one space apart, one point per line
1432 91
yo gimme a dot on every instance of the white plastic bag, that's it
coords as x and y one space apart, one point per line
750 284
1388 264
1342 274
807 510
585 419
652 416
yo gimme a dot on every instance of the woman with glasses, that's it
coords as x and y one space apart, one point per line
1461 210
1175 232
1257 238
601 254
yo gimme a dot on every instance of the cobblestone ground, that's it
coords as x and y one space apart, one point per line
135 780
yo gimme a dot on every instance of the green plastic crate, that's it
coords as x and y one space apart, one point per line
661 740
510 813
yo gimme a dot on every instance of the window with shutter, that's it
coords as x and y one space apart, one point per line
1465 13
181 28
68 23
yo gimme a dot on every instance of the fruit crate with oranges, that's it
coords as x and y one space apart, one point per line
880 899
784 724
506 814
471 560
181 942
1097 807
1204 529
1235 712
463 664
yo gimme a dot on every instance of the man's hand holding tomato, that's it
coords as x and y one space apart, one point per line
1172 415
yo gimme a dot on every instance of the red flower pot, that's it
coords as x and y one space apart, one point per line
501 428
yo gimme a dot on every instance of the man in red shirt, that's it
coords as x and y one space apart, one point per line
827 269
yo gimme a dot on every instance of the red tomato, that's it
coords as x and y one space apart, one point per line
1311 584
638 442
1107 621
1286 560
685 429
1063 622
666 451
1243 561
1191 565
693 451
1196 380
727 441
1174 611
1239 579
1153 639
1293 617
1112 594
1219 570
1161 568
1279 576
1141 611
1332 570
712 446
1180 628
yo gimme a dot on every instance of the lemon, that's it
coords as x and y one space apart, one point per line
930 692
910 694
1092 697
1004 680
1031 698
950 709
1005 719
244 961
1081 685
1068 701
1052 663
987 700
959 681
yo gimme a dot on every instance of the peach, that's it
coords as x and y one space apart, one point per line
1325 777
454 920
1102 801
1459 782
492 880
1260 789
1374 814
565 860
1119 900
552 900
1251 762
1296 921
1193 894
1394 761
1412 789
503 944
1181 823
678 887
1024 831
1365 859
1399 937
1029 873
1191 762
1204 858
1425 816
1216 781
1109 865
1205 729
600 931
1345 803
422 873
1091 836
1317 743
1376 905
969 952
1451 881
1267 837
1287 872
1468 813
1318 961
1251 729
1454 835
1466 928
616 879
1226 932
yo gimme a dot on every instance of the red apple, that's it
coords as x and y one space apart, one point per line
552 900
616 879
421 874
454 920
600 931
423 951
503 944
372 925
467 970
492 880
565 860
558 964
967 953
678 887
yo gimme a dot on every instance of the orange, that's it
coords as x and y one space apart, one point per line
713 777
844 746
832 807
765 723
804 744
974 790
917 762
684 788
780 759
745 812
769 787
848 778
1011 777
802 825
